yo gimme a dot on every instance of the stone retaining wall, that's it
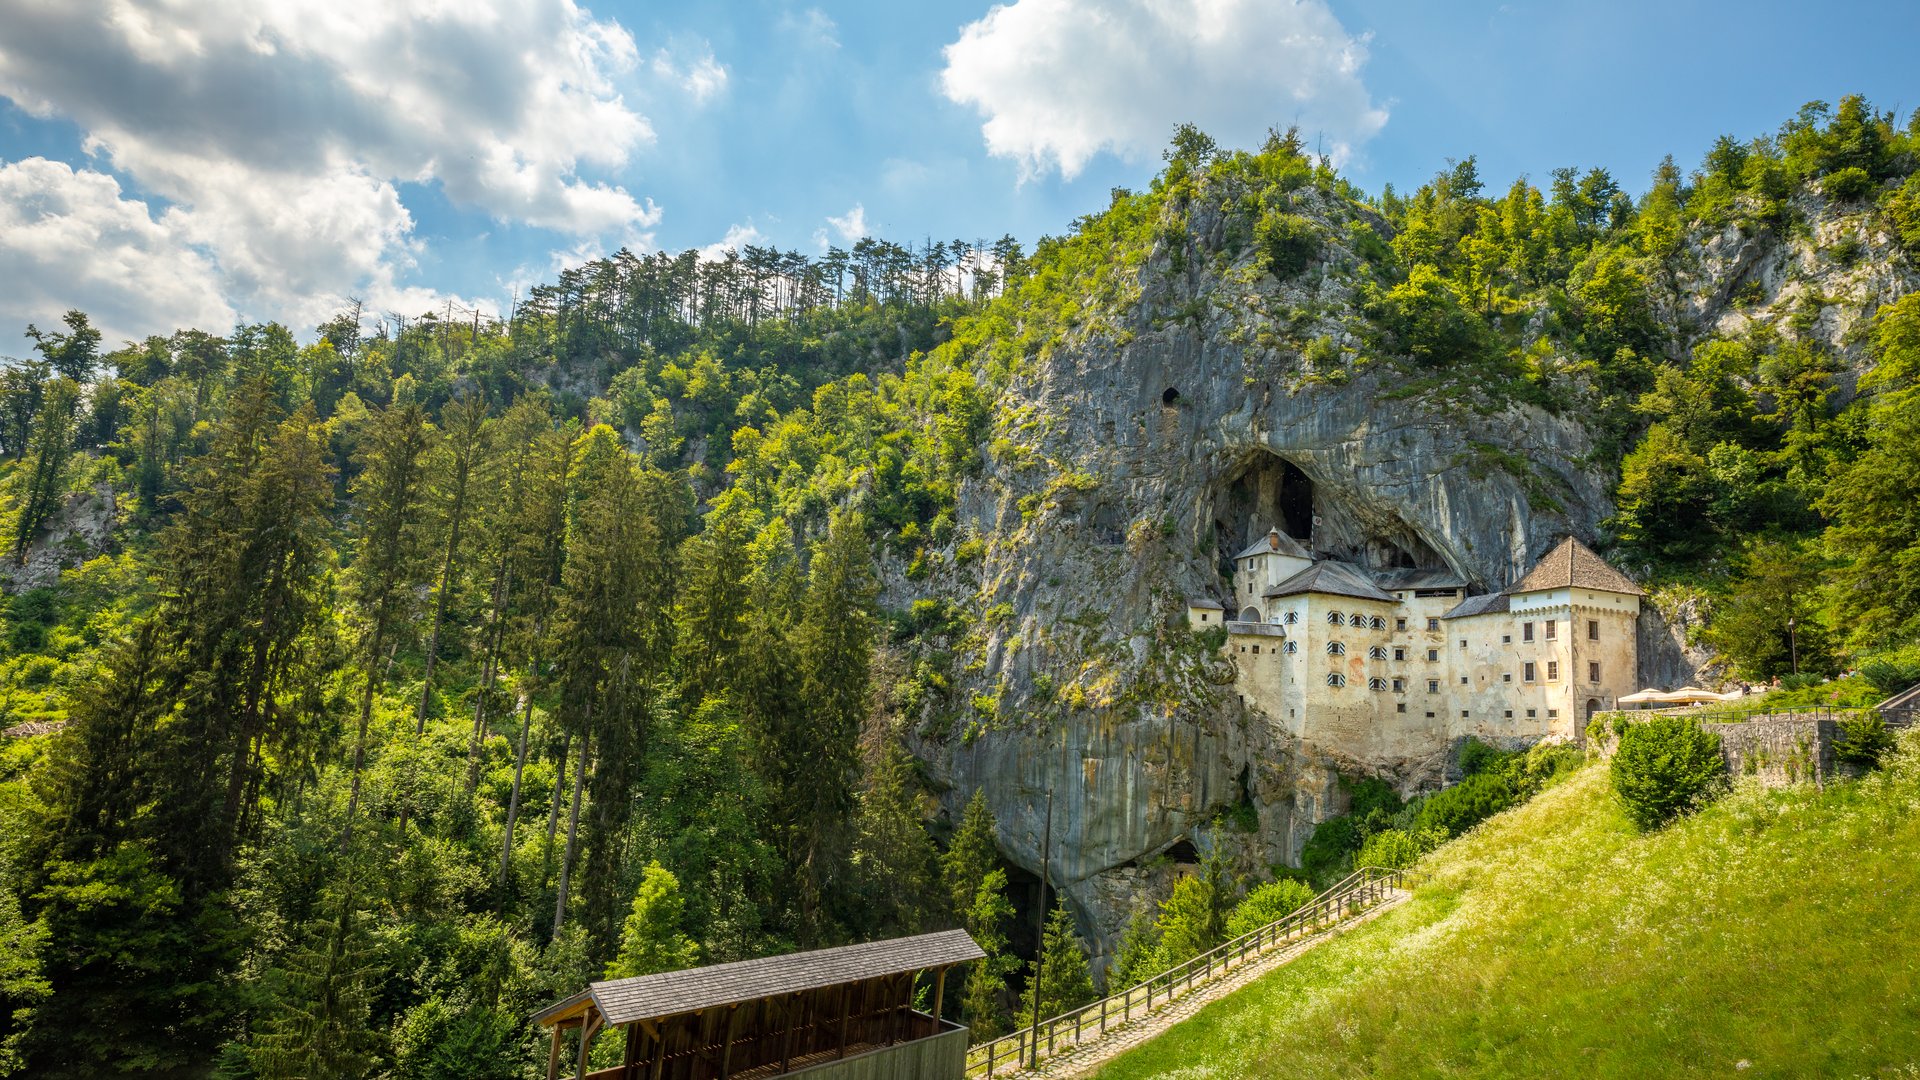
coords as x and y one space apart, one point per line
1789 748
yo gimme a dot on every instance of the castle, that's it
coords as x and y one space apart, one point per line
1400 663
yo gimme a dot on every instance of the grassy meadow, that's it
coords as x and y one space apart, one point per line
1774 934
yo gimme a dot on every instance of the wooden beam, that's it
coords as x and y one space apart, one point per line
587 1032
631 1057
553 1055
726 1048
846 1011
786 1043
939 996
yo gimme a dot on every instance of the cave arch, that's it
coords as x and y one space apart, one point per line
1170 396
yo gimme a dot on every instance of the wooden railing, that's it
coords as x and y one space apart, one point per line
1359 891
1895 716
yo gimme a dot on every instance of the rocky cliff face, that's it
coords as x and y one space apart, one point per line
1134 458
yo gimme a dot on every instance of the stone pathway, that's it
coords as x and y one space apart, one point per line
1082 1060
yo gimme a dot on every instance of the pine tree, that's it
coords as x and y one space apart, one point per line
710 613
388 560
1063 982
1139 957
319 1023
893 858
972 855
981 1002
651 939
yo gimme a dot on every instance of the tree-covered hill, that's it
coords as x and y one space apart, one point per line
403 680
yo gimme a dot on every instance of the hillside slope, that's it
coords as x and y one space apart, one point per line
1771 934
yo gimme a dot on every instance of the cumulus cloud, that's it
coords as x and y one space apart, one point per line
1058 81
849 227
736 239
69 239
278 131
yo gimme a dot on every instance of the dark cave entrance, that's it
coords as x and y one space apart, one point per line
1259 489
1262 491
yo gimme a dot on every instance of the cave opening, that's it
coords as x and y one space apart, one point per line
1260 490
1170 396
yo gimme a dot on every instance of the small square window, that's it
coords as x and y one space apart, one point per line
1509 714
1463 714
1506 639
1463 680
1506 676
1433 686
1399 624
1433 654
1551 713
1402 707
1463 643
1531 713
1429 716
1433 624
1400 686
1399 654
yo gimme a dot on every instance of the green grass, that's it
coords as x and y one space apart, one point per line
1774 934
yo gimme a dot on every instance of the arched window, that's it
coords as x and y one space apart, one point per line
1377 623
1378 652
1376 684
1336 648
1334 678
1292 617
1249 614
1334 618
1293 647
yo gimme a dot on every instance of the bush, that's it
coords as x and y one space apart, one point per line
1452 811
1864 739
1889 677
1325 854
1288 242
1266 904
1477 757
1849 183
1666 767
1397 849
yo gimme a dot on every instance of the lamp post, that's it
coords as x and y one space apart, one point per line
1793 645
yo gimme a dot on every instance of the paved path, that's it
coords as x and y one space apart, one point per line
1082 1060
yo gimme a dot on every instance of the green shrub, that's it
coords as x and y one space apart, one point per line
1327 850
1266 904
1370 794
1477 757
1889 677
1666 767
1452 811
1288 242
1864 739
1849 183
1397 849
1544 765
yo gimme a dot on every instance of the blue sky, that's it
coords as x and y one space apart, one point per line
266 158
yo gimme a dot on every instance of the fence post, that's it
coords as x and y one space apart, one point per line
1103 1015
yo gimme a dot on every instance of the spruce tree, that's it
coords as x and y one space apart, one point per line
981 1002
1063 982
319 1022
972 855
458 466
651 939
894 860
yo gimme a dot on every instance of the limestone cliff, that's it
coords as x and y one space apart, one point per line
1216 400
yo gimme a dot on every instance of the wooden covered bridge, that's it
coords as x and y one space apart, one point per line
831 1014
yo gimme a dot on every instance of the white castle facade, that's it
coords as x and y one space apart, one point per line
1394 664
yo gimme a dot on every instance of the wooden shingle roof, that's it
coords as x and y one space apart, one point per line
1572 563
648 997
1330 578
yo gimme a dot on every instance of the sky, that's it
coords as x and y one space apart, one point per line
170 163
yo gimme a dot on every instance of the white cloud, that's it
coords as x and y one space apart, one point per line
701 78
68 239
1058 81
736 239
849 227
279 131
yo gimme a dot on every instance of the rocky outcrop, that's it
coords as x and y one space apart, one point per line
81 529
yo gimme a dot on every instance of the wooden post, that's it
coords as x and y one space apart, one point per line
553 1055
659 1052
589 1027
726 1048
939 996
630 1060
786 1043
846 1012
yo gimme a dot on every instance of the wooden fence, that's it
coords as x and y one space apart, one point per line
1359 891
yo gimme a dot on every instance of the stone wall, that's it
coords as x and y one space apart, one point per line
1776 750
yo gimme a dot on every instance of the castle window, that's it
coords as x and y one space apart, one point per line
1399 686
1293 647
1399 624
1593 630
1463 643
1551 624
1506 676
1336 679
1551 713
1292 617
1429 716
1509 714
1377 623
1531 713
1359 619
1379 652
1336 648
1506 639
1256 650
1463 680
1593 671
1433 655
1553 670
1526 671
1402 707
1526 631
1203 616
1433 686
1376 684
1334 618
1399 654
1433 624
1463 714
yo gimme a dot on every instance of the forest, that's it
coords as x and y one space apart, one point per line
434 666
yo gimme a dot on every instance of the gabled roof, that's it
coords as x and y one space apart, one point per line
1255 629
1572 563
1333 578
1275 543
1441 578
649 997
1490 604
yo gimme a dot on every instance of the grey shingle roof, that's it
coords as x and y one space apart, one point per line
1441 578
624 1001
1275 542
1204 602
1331 577
1572 563
1256 629
1490 604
